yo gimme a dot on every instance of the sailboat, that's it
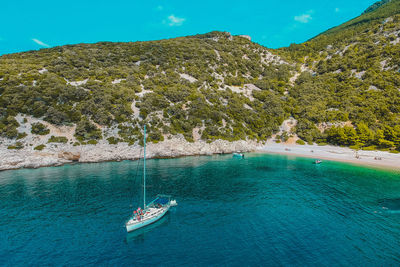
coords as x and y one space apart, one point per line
153 211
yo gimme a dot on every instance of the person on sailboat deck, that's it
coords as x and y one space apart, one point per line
138 214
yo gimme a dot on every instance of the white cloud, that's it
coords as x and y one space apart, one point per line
175 21
303 18
337 9
40 43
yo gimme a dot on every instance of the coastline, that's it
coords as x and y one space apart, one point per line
341 154
56 154
60 154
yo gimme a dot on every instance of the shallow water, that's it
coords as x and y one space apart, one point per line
261 210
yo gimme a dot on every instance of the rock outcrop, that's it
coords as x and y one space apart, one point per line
69 156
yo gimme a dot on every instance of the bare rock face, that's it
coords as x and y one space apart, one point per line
70 156
245 36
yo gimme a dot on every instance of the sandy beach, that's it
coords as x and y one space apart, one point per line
371 158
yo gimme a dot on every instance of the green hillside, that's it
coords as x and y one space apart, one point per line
216 86
177 84
354 77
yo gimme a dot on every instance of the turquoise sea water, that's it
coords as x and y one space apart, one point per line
262 210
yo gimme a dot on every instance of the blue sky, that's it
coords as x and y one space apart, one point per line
28 24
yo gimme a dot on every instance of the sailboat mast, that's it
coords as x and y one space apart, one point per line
144 170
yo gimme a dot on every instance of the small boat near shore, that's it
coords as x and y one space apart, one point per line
317 161
238 155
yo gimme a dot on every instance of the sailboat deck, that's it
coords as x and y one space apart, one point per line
151 212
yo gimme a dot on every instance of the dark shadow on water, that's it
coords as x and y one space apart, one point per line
138 236
264 168
391 205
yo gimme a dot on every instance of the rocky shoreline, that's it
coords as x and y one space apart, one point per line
56 154
59 154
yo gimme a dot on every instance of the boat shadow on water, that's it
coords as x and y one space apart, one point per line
264 168
390 205
139 235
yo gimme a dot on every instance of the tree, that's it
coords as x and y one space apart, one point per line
351 136
85 130
365 135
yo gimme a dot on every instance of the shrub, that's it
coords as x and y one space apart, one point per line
57 139
56 116
39 128
85 130
21 135
130 143
113 141
39 147
155 136
17 145
92 142
76 144
300 142
285 137
8 126
11 132
129 134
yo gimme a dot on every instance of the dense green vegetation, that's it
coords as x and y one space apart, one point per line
8 126
376 5
354 76
199 86
363 137
41 84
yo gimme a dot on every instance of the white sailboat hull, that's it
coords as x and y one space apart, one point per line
133 225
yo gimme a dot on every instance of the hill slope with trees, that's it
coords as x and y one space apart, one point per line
341 86
354 78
